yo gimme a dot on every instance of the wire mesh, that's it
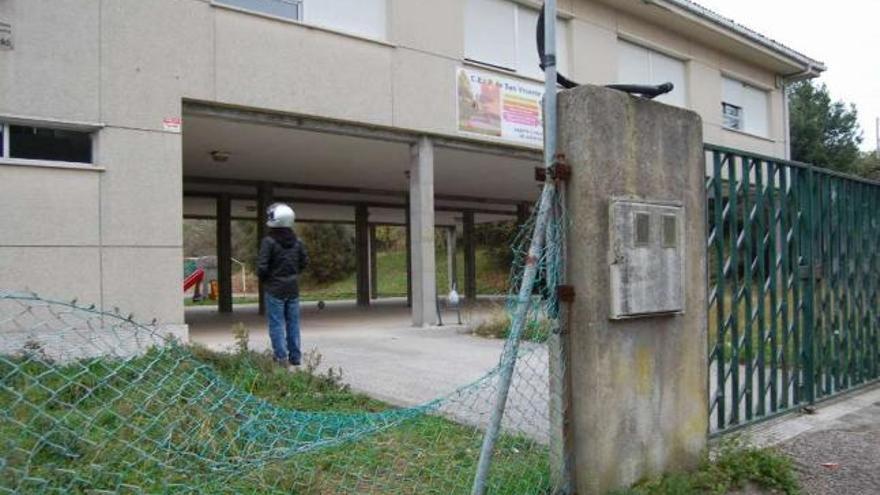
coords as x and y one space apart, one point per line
93 401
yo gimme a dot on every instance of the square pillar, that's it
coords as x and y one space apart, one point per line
637 261
523 212
374 264
224 253
470 257
362 253
450 258
421 219
408 232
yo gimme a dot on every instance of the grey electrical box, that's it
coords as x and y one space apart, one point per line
646 258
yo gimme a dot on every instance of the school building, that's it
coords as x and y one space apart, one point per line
119 118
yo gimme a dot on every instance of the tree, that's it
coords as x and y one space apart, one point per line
331 249
823 133
869 165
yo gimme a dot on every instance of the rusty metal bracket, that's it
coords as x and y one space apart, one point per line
560 170
565 293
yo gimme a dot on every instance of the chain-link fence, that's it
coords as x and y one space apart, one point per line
92 401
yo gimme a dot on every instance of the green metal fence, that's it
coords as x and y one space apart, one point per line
794 269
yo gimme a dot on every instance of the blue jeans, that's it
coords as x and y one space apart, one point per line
283 317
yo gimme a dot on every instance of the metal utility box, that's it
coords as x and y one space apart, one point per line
646 258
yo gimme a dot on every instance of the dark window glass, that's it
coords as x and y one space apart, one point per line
643 229
733 116
2 151
670 231
39 143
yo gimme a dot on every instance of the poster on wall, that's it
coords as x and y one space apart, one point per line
497 106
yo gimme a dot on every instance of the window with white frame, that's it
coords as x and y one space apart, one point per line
362 17
286 9
745 108
22 143
502 33
639 65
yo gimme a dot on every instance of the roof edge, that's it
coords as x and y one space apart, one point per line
812 67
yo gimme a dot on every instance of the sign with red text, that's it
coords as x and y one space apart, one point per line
498 106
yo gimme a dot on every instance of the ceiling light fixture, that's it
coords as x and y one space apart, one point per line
220 156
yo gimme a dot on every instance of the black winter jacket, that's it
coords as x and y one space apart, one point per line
282 259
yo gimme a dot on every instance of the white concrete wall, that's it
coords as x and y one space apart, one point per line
113 236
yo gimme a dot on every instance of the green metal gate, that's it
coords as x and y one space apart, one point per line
794 269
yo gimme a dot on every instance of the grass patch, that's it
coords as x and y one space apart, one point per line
735 467
189 420
497 326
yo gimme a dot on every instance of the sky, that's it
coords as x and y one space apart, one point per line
844 34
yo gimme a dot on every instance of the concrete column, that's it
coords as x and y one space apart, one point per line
470 257
637 261
523 211
374 264
224 253
421 215
450 257
362 253
408 231
264 199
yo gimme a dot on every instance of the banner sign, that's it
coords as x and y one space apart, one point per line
492 105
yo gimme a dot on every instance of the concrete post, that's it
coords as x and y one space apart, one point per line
224 253
421 187
374 264
470 257
523 210
450 257
264 199
408 232
639 395
362 253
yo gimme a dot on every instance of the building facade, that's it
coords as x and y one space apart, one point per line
121 117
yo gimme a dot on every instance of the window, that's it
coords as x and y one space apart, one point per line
733 116
643 229
639 65
502 33
670 231
362 17
745 108
21 142
287 9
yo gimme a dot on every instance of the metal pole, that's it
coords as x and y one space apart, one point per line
511 347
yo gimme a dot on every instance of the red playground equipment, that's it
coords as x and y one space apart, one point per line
193 279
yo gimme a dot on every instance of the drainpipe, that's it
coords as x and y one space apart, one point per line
787 80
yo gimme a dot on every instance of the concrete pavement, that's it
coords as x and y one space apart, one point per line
382 355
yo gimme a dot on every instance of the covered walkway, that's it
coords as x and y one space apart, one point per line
239 161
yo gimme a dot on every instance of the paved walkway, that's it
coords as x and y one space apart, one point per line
837 449
382 355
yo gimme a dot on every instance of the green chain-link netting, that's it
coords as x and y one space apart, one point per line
93 402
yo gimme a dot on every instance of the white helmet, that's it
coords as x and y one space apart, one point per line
280 215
